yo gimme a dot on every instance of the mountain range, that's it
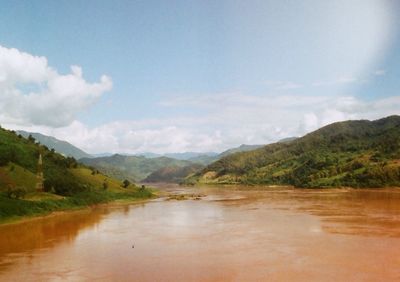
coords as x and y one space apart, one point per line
133 168
357 153
352 153
154 168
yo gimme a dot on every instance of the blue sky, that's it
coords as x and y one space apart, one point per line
195 75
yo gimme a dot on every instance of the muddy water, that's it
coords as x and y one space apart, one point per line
230 234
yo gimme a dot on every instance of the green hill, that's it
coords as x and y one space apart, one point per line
60 146
352 153
67 183
206 159
172 174
133 168
241 148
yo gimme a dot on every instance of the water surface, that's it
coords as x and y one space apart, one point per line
230 234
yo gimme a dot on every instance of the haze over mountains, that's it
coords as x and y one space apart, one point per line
351 153
156 168
133 168
137 167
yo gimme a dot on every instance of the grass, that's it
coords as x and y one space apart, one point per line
76 186
96 180
18 176
41 203
37 204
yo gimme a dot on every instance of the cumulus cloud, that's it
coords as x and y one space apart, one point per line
33 93
247 119
158 136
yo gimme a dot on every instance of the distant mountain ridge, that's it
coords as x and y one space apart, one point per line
60 146
150 167
179 156
351 153
241 148
172 174
208 159
133 168
169 167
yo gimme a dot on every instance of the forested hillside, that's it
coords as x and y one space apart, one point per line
21 155
352 153
134 168
172 174
67 184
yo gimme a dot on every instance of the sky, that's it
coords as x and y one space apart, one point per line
178 76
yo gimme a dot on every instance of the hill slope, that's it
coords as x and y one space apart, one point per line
172 174
18 167
351 153
206 159
67 184
133 168
60 146
241 148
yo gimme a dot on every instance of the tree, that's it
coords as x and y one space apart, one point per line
30 138
16 192
126 183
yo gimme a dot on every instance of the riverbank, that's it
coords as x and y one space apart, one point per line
18 210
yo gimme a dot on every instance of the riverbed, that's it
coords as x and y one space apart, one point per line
233 233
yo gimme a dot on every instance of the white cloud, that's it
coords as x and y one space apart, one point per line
241 119
158 136
54 99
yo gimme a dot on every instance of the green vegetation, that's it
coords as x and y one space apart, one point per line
11 209
241 148
59 146
132 168
352 153
126 183
67 183
208 159
172 174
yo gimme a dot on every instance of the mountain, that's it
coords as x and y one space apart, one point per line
60 146
209 158
288 139
165 167
358 153
190 155
133 168
101 155
148 155
179 156
175 174
241 148
172 174
204 159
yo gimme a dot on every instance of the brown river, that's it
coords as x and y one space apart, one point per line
225 234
